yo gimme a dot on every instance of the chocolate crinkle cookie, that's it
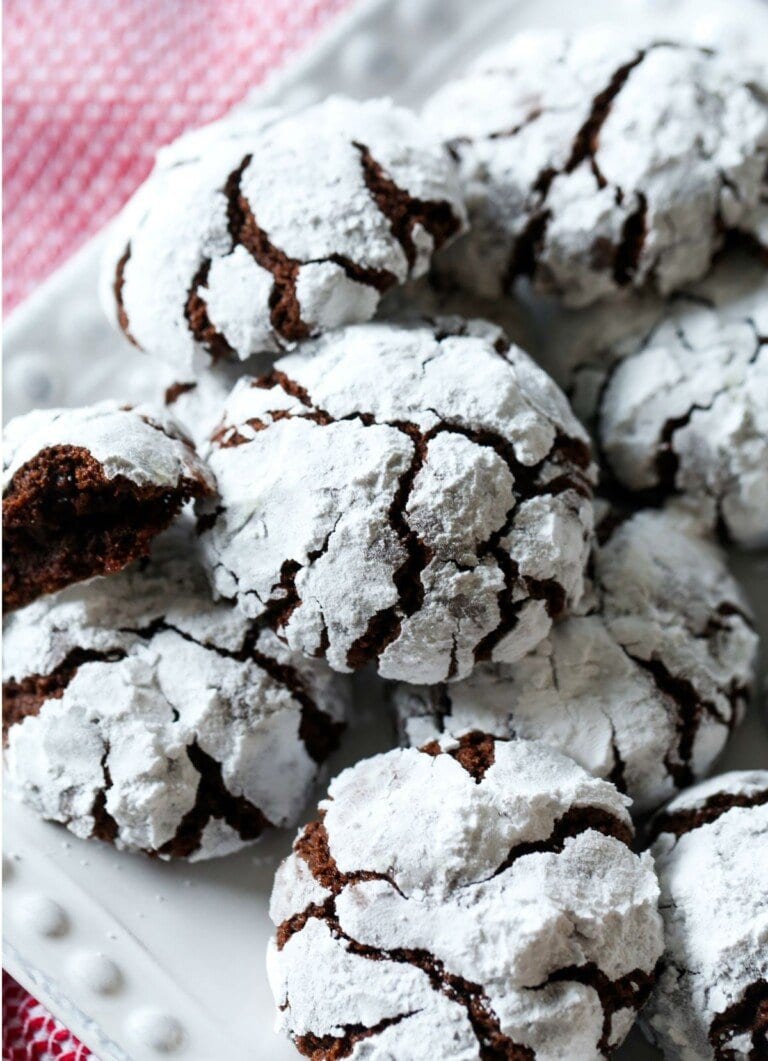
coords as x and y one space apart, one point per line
643 687
596 162
711 851
86 490
472 899
137 711
264 230
414 497
684 410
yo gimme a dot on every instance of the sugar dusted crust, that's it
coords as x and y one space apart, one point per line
594 163
643 687
254 236
383 910
685 409
138 712
711 853
417 497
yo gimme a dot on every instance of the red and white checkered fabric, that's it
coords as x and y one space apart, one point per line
30 1033
91 89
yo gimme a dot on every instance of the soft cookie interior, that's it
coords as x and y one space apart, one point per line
65 520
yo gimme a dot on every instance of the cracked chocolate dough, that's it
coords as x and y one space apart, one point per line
595 162
259 232
416 497
86 490
710 1002
684 410
472 899
138 712
643 686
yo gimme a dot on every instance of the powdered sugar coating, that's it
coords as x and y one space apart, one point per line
598 161
643 686
686 411
143 714
414 496
197 403
712 859
283 227
141 443
460 896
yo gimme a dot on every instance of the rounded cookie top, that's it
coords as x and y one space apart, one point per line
414 496
86 490
280 229
139 712
643 686
595 162
685 409
711 853
469 895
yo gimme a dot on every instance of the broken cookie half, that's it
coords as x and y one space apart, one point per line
86 490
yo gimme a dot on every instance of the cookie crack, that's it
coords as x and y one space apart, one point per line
175 391
384 626
104 825
212 800
526 476
630 991
313 847
575 821
335 1047
746 1016
245 231
196 315
691 710
629 249
526 246
586 141
618 772
507 134
522 260
404 211
118 290
687 819
494 1044
319 733
24 698
667 461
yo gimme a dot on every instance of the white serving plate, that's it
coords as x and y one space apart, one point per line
141 959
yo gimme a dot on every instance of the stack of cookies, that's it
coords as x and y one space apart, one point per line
359 468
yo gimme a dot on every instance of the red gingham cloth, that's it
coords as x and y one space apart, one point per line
30 1033
91 88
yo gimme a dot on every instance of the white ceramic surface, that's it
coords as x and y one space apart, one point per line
145 960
